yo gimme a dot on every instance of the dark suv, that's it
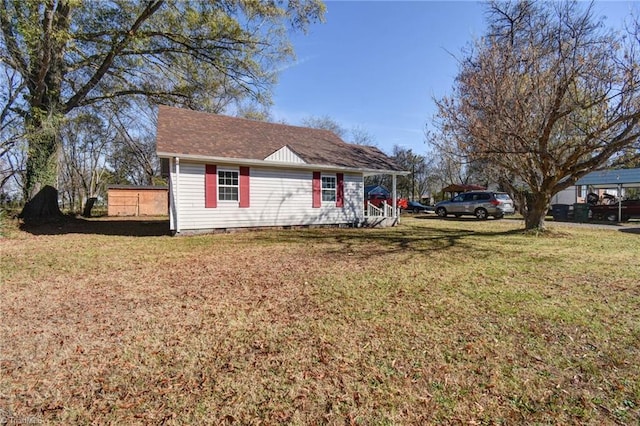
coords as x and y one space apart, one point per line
480 204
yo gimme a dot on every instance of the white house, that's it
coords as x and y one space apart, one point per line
227 172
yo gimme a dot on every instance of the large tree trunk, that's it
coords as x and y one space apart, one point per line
40 191
88 206
537 207
43 206
46 110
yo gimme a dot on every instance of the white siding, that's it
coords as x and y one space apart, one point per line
285 155
278 197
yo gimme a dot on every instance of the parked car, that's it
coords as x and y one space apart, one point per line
630 209
480 204
417 207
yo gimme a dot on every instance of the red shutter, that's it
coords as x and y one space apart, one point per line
210 186
317 190
244 187
340 190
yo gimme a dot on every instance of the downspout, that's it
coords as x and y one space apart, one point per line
394 200
171 206
365 202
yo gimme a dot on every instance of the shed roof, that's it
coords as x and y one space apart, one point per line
139 187
611 177
183 132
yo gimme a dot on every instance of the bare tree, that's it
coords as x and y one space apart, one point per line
11 128
133 158
12 168
452 166
357 135
547 96
423 179
82 170
325 122
413 185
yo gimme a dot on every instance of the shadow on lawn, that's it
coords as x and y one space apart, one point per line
367 242
461 218
130 227
630 230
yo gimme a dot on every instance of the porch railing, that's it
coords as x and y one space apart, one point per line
385 210
373 211
388 210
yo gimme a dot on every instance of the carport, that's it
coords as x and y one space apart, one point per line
457 188
612 178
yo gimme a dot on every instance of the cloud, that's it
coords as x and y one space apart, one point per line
295 63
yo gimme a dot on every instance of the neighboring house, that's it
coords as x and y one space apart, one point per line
227 172
607 182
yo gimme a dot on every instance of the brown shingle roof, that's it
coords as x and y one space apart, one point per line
188 132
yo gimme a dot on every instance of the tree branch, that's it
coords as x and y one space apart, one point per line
15 53
151 8
91 101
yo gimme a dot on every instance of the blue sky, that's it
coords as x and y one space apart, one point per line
378 64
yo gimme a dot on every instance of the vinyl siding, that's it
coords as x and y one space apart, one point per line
279 197
285 155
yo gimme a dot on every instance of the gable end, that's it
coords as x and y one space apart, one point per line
285 155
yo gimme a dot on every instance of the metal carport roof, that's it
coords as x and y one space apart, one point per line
612 178
619 178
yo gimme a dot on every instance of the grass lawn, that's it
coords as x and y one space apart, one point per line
435 321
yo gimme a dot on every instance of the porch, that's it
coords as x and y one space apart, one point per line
386 214
383 216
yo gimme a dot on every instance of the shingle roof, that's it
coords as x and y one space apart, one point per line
193 133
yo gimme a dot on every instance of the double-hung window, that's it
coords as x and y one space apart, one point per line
227 185
329 188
